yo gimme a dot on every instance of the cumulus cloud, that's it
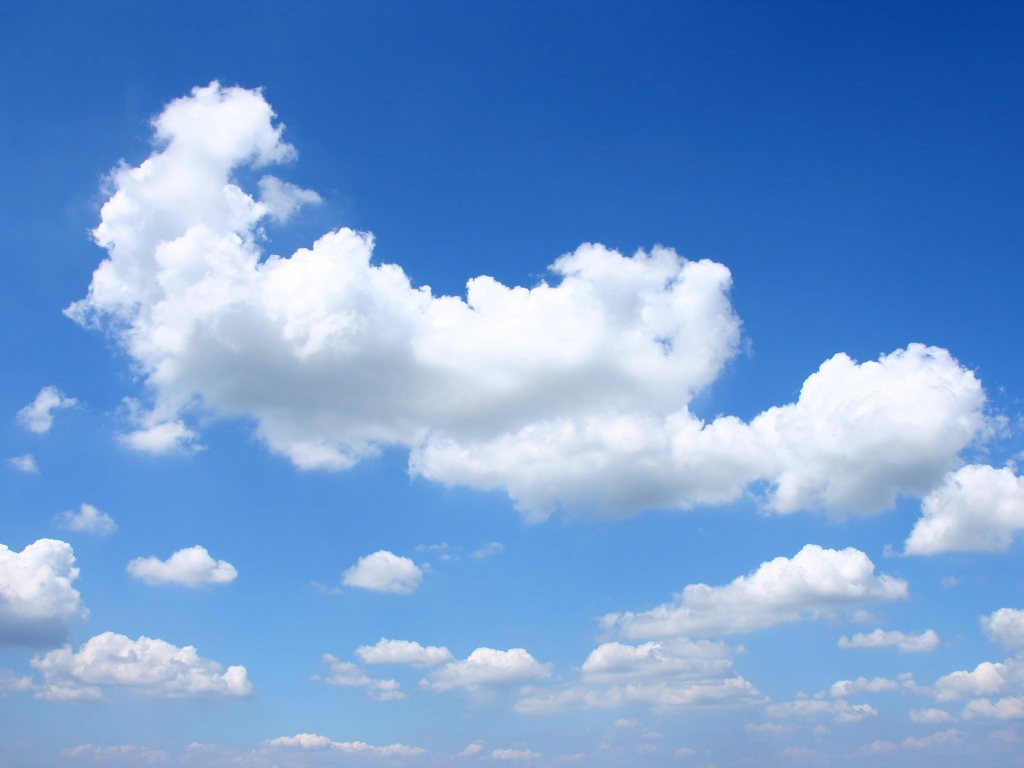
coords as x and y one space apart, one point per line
37 416
930 716
487 668
190 567
572 393
387 651
348 675
88 519
814 582
986 679
1005 626
1006 708
147 665
660 675
25 463
313 741
38 604
841 710
845 688
384 571
978 508
924 642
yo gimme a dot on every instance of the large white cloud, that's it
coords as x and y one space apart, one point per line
384 571
189 567
977 509
148 665
38 603
37 416
1005 626
572 393
986 679
814 582
487 668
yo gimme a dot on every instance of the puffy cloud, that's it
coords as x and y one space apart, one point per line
25 463
312 741
347 674
387 651
986 679
814 582
487 668
921 643
1007 708
12 683
88 519
572 393
191 567
844 688
150 666
38 603
659 675
384 571
978 508
37 416
839 709
930 716
1005 626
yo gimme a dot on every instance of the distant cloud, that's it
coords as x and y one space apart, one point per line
38 604
840 710
147 665
842 689
1005 626
312 741
930 716
384 571
37 416
813 583
516 755
88 519
127 754
348 675
489 549
25 463
487 668
387 651
921 643
191 567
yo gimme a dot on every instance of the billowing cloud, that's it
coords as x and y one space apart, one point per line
25 463
663 676
38 604
814 582
978 508
384 571
1006 708
88 519
147 665
348 675
190 567
573 393
386 651
923 642
986 679
313 741
487 668
1005 626
37 416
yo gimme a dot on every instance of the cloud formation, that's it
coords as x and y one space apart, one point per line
147 665
190 567
313 741
37 416
25 463
813 583
348 675
384 571
487 668
555 394
88 519
386 651
1005 626
921 643
38 604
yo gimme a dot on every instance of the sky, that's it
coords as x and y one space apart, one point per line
475 384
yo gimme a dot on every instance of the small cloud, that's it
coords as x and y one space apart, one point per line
37 416
951 581
472 749
88 519
388 651
191 567
906 643
25 463
488 549
384 571
348 675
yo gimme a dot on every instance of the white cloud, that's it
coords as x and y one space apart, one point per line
12 683
930 716
487 668
1005 626
128 754
924 642
940 739
660 675
839 709
387 651
150 666
38 603
312 741
190 567
472 749
812 583
347 674
846 688
1007 708
25 463
986 679
978 508
384 571
489 549
572 393
37 416
515 754
88 519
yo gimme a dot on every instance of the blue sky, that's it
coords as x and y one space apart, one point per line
478 383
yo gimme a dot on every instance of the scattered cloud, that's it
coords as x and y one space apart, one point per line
472 750
516 755
387 651
347 674
129 754
1006 708
813 583
840 710
487 668
1005 626
489 549
930 716
312 741
88 519
924 642
846 688
986 679
25 463
384 571
190 567
147 665
37 416
38 604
